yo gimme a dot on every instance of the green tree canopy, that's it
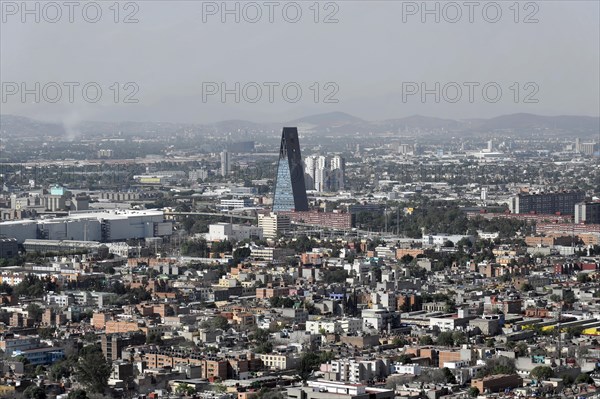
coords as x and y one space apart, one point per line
584 378
445 339
498 365
77 394
425 340
92 369
34 392
542 372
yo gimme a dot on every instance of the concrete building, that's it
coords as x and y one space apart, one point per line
40 356
113 344
101 225
322 174
225 163
338 174
275 361
18 343
497 383
357 370
236 203
442 239
346 325
338 220
197 174
587 212
487 326
273 224
270 254
379 319
232 232
9 248
322 389
546 203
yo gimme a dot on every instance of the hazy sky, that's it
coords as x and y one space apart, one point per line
375 58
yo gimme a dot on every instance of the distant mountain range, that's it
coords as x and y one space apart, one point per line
333 122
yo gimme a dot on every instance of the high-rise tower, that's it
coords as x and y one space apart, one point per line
290 189
225 163
338 171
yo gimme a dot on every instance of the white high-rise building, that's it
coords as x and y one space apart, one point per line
322 174
225 163
338 167
309 172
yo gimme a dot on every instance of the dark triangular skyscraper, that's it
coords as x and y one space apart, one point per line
290 191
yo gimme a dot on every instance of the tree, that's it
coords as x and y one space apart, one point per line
34 392
567 380
220 388
445 339
219 322
268 394
194 248
221 246
334 275
473 392
584 378
542 373
425 340
264 347
459 338
281 302
33 287
569 297
77 394
583 278
309 362
92 368
154 338
6 288
406 259
499 365
35 312
450 378
240 254
400 341
60 370
185 389
526 287
405 359
46 333
432 376
555 298
522 349
450 306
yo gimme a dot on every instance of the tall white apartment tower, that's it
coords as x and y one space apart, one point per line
309 172
225 163
322 174
338 173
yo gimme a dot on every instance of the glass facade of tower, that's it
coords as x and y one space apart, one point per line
284 195
290 189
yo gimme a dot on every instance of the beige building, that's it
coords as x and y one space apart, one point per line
272 224
275 361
